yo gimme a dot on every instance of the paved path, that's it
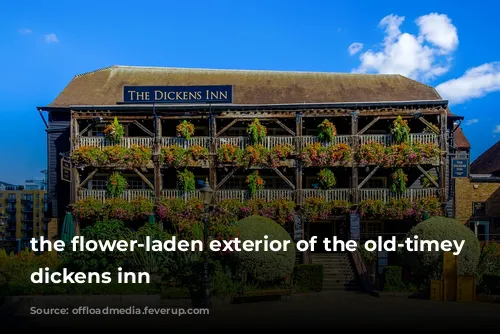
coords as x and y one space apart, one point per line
311 311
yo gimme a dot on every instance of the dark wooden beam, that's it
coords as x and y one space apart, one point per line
231 173
354 169
87 179
368 177
430 125
368 126
298 168
227 127
145 179
143 128
86 129
284 178
287 129
428 176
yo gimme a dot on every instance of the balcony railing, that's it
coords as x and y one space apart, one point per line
307 140
127 195
272 194
267 142
184 143
103 141
387 139
328 195
386 194
264 194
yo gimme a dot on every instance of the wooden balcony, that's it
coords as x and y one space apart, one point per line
270 194
184 143
307 140
128 195
102 142
268 142
387 139
328 195
386 194
264 194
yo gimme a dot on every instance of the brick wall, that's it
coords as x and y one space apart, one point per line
468 192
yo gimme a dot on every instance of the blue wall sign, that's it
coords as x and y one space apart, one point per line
178 94
459 168
355 220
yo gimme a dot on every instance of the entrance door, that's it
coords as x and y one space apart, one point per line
481 229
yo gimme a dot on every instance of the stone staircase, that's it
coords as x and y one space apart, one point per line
338 271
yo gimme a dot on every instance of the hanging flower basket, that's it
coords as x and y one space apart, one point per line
185 129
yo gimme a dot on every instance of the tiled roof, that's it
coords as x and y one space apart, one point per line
488 162
105 86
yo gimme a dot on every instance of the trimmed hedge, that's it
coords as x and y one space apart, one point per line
261 265
393 279
491 283
429 265
308 277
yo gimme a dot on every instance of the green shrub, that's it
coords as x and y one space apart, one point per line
428 265
393 276
174 293
308 277
261 265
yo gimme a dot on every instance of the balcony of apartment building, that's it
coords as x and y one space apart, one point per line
27 227
27 208
27 199
11 198
11 208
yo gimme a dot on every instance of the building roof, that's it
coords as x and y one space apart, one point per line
105 86
461 142
488 162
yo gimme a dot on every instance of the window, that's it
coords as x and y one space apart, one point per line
98 183
1 195
97 131
478 208
136 183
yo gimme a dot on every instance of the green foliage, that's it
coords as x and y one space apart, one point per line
327 131
426 182
400 130
326 179
398 181
491 284
256 131
97 261
308 277
141 260
185 129
261 265
393 276
489 261
186 180
116 184
255 182
428 265
114 131
367 256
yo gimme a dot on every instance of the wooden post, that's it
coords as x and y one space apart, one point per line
298 169
212 173
443 159
158 182
75 176
354 147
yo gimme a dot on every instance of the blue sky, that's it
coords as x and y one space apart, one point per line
45 43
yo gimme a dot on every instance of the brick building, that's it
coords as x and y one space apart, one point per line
478 197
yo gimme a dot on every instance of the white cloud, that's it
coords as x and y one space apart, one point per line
476 82
471 121
51 38
420 57
25 31
497 129
355 48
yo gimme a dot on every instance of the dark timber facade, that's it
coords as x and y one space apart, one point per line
290 105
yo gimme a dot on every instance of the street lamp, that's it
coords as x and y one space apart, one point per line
207 194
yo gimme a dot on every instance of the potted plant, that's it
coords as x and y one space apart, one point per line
256 131
400 130
255 182
399 179
116 185
327 131
185 129
114 132
326 179
186 180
